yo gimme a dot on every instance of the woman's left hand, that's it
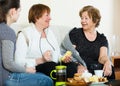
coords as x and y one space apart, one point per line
81 69
107 68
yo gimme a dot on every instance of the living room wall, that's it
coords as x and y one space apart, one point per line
66 12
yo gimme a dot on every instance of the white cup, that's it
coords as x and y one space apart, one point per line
98 73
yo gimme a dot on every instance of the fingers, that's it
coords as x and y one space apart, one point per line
67 59
48 55
107 73
81 69
107 69
30 70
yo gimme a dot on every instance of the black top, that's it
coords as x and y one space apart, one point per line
88 50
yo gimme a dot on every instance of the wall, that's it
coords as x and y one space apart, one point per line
115 38
116 29
25 6
65 13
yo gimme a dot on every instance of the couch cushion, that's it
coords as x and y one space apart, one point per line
59 31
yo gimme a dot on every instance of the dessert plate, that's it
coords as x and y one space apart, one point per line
97 83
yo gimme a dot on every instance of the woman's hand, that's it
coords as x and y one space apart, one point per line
47 56
107 68
30 70
81 69
67 59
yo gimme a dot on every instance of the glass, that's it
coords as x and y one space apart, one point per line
114 45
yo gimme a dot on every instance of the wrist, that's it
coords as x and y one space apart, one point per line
40 60
43 59
107 62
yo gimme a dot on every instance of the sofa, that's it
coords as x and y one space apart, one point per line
59 30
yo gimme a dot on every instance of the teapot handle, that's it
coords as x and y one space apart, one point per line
53 71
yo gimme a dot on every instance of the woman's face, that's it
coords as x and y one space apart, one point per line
86 21
44 20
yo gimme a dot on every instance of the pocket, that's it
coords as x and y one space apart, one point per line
14 77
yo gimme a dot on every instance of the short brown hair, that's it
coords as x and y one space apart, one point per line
92 13
36 11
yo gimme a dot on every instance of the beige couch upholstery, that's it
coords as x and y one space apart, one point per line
59 31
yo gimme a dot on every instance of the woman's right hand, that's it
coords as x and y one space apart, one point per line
47 55
30 70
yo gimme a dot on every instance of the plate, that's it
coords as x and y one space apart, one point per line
97 83
75 84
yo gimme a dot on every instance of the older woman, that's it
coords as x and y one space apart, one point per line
92 46
36 45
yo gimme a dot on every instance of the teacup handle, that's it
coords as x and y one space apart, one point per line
53 71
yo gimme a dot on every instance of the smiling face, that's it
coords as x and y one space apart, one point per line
90 17
39 14
86 21
44 20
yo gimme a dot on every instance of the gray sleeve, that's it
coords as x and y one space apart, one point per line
8 57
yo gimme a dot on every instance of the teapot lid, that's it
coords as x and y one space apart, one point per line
60 67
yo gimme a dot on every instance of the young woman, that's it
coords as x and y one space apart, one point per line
14 74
